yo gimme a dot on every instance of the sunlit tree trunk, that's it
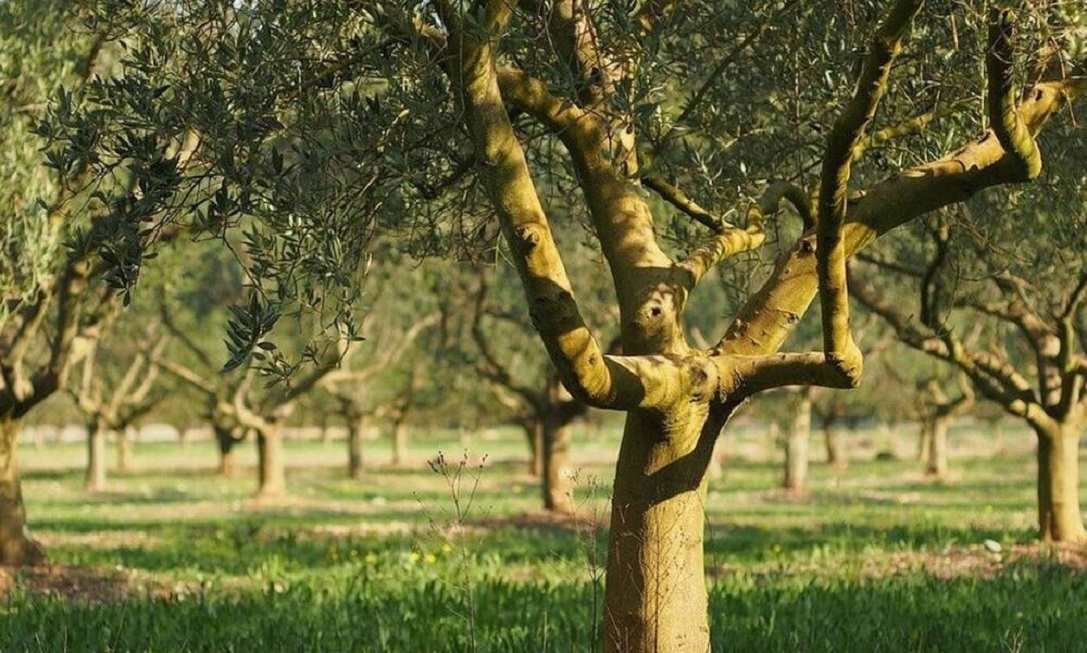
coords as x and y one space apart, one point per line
655 590
273 481
17 546
355 428
95 477
797 447
1059 515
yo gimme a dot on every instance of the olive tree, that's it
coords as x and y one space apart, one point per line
463 108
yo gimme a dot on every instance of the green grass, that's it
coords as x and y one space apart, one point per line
173 558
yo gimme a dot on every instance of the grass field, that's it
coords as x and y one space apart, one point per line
174 558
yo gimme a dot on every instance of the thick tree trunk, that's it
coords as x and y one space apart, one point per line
797 447
400 443
228 462
17 546
558 494
836 455
95 477
355 428
655 590
124 449
1059 515
273 480
936 465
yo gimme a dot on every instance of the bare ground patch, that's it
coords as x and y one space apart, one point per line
86 584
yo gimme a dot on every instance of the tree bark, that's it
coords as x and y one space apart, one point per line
95 477
557 492
936 465
797 448
655 589
17 545
400 443
228 462
1059 515
124 450
355 428
273 480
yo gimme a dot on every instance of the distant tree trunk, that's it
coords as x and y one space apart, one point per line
557 492
1059 515
924 451
400 442
326 431
95 478
836 456
17 546
534 437
936 465
228 463
356 426
797 447
124 449
273 480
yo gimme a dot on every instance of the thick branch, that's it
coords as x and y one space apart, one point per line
622 220
754 374
848 131
575 41
598 380
1013 134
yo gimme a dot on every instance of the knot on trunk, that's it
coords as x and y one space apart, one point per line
701 378
528 236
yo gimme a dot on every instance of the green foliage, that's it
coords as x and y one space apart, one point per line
38 57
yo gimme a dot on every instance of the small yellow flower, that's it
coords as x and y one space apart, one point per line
414 557
371 558
446 548
431 558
